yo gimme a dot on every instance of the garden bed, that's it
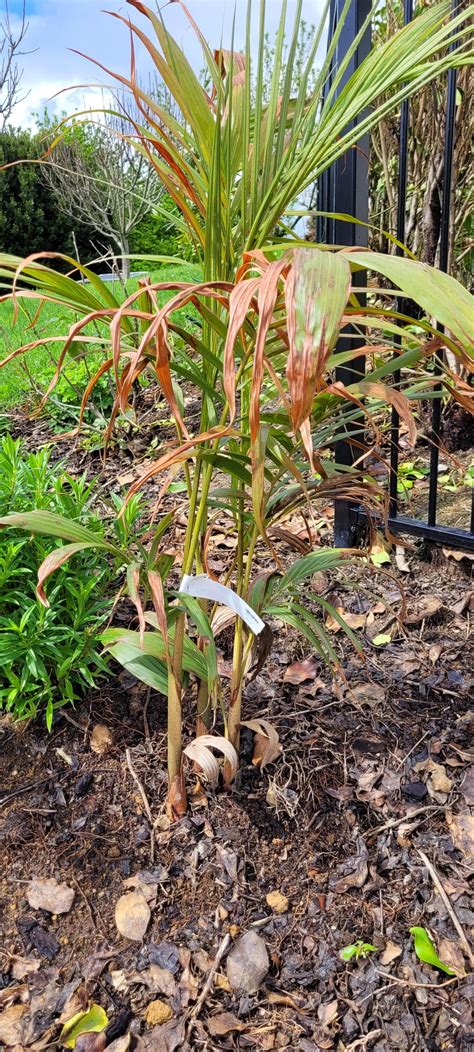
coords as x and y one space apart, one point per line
375 768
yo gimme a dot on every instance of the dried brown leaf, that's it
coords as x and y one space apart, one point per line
369 693
158 980
400 559
223 1023
435 652
301 671
457 555
451 954
101 739
132 915
20 967
199 750
49 895
467 790
267 746
327 1014
461 828
11 1025
427 607
390 953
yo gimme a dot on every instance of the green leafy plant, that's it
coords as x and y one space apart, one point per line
357 950
48 657
50 652
260 353
410 472
425 950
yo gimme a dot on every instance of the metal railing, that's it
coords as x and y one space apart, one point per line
344 189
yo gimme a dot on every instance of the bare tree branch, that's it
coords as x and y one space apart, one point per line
102 181
11 37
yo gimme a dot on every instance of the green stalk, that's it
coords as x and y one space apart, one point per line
235 704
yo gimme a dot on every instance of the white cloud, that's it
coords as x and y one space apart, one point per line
55 26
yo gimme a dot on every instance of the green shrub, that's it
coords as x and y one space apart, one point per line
48 656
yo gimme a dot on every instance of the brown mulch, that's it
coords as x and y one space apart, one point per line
376 767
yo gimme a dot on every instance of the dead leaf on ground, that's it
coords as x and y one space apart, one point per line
426 607
222 983
49 895
132 915
461 828
78 1002
121 1044
199 750
146 881
90 1042
101 739
352 873
223 1023
310 690
465 603
267 746
390 953
435 652
11 1025
157 980
247 964
467 790
353 620
166 1037
301 671
457 555
275 998
20 967
33 934
327 1014
438 783
407 664
451 954
371 694
400 559
11 994
119 980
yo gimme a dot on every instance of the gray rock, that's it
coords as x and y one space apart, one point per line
248 964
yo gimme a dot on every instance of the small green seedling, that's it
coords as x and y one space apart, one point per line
425 950
357 949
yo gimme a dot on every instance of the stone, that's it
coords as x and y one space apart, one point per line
247 964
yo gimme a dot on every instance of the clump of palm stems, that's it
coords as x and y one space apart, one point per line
261 355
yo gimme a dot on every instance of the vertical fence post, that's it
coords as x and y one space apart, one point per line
344 189
401 304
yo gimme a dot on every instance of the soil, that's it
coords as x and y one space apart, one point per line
364 825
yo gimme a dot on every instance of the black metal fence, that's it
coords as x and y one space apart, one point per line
344 189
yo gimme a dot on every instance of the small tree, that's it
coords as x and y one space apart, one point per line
29 215
100 179
10 72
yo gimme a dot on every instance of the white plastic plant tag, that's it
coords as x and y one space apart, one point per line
202 587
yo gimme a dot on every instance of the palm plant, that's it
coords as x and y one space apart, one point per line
270 309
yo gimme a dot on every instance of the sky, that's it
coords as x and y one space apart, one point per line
56 26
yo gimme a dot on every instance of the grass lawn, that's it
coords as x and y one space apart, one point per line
19 379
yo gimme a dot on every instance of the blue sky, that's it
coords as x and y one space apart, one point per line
58 25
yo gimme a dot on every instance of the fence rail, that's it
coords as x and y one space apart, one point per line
344 189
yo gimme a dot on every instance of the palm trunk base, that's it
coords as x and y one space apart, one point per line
176 804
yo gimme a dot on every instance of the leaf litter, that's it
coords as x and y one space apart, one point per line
326 824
